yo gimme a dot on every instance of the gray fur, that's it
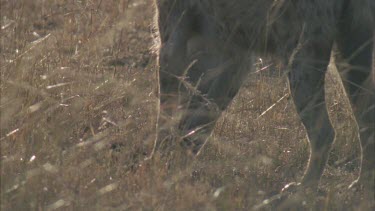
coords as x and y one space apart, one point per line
207 47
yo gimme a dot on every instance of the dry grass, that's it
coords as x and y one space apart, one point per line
78 111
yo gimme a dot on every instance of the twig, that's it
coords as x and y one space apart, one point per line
273 105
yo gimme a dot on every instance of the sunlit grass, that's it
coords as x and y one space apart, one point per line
78 111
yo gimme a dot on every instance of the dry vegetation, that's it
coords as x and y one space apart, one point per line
78 112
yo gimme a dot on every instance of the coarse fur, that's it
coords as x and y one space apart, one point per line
207 47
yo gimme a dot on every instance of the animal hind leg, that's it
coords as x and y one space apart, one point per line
355 45
306 81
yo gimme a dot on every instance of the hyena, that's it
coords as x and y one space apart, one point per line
207 47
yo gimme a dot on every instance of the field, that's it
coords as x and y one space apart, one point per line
78 113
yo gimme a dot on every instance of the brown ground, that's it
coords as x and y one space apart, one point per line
78 112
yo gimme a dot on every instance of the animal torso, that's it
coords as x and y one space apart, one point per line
272 26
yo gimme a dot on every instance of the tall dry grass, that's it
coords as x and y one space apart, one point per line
78 112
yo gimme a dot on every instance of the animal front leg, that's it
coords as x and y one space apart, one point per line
200 73
215 89
306 80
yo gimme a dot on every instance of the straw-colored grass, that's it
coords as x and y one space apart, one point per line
78 118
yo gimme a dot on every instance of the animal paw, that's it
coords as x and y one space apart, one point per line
356 185
291 188
360 184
